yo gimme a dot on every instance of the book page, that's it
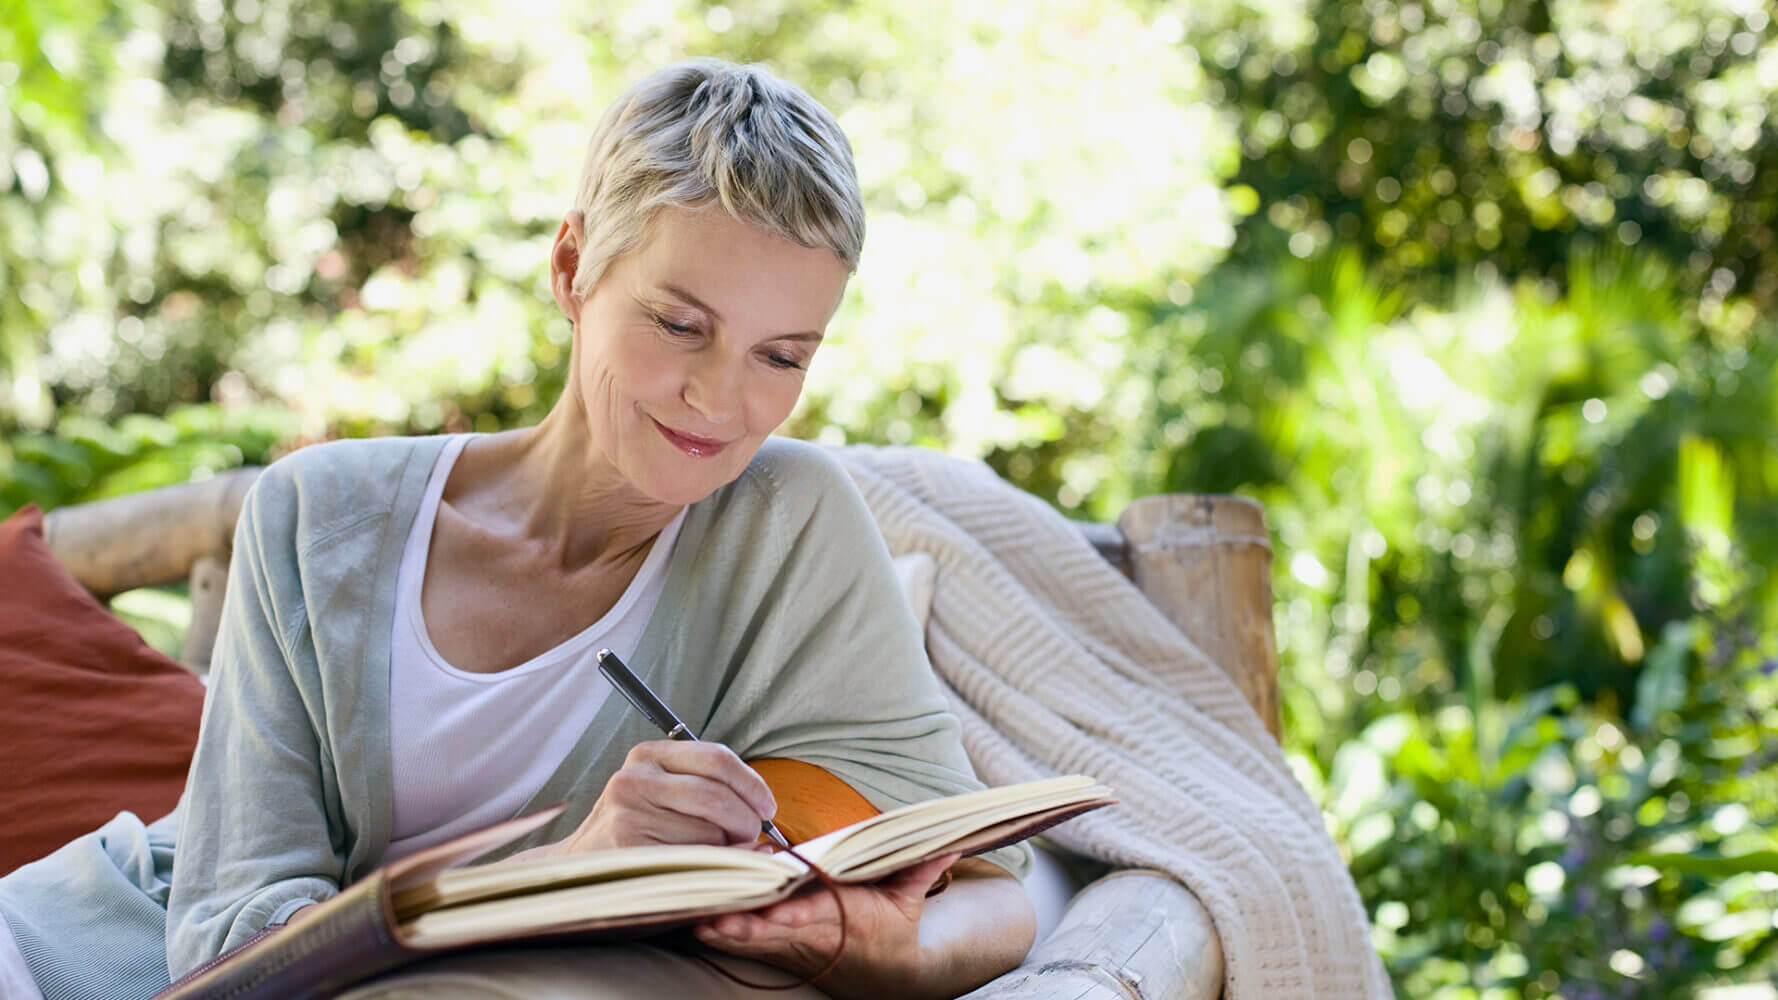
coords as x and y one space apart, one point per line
657 894
478 882
927 826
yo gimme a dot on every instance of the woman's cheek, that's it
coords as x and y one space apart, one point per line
646 367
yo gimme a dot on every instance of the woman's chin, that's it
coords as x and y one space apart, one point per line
683 487
679 497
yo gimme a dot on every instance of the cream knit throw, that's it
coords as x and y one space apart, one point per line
1057 664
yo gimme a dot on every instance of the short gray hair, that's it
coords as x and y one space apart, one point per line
707 130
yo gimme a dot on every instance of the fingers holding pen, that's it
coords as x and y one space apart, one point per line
677 792
704 780
683 755
714 762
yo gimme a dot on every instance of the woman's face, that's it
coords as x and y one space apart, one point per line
692 347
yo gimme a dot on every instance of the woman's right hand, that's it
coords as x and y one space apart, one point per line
674 792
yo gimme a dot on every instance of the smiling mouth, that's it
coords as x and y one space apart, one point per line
691 444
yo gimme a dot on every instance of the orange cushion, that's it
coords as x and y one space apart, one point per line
95 719
811 801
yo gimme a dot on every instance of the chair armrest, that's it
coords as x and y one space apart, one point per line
1133 933
157 537
150 538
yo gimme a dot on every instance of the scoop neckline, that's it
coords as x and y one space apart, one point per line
570 648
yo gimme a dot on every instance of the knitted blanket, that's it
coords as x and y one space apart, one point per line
1056 663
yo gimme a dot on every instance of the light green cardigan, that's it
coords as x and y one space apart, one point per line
780 632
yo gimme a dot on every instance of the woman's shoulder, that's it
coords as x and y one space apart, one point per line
793 486
796 462
343 480
796 475
351 462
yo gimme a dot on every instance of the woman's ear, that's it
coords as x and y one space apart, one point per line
564 261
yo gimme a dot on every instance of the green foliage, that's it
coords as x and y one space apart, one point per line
84 459
1523 534
1438 136
1474 295
1546 824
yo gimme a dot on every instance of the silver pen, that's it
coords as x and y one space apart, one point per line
657 712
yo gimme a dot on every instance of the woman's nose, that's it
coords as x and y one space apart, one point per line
713 387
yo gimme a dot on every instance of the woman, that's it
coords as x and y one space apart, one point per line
406 650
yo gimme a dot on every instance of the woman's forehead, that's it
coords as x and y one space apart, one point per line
712 261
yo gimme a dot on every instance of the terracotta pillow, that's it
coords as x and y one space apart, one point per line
94 719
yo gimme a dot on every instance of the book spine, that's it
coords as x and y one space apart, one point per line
348 938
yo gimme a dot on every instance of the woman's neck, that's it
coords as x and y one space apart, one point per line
550 484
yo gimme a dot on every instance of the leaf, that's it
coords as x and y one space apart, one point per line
1661 688
1706 492
106 445
27 482
1708 866
67 461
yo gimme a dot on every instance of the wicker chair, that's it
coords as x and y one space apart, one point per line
1203 560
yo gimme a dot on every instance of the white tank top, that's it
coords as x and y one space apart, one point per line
470 749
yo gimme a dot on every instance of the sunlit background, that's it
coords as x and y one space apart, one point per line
1473 295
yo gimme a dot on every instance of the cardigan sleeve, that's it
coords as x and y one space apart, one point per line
255 839
831 665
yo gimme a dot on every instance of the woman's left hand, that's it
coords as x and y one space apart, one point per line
801 934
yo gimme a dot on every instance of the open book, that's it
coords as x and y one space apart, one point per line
431 902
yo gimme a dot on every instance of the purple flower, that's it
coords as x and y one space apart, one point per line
1574 857
1659 930
1769 667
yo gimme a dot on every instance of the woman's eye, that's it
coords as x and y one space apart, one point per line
785 361
676 329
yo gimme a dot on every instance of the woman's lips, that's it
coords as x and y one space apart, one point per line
691 444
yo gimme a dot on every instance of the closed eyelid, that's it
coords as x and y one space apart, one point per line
672 312
674 326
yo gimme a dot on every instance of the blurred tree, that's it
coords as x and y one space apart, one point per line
1438 136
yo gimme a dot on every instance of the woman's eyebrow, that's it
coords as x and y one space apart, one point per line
695 302
673 289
